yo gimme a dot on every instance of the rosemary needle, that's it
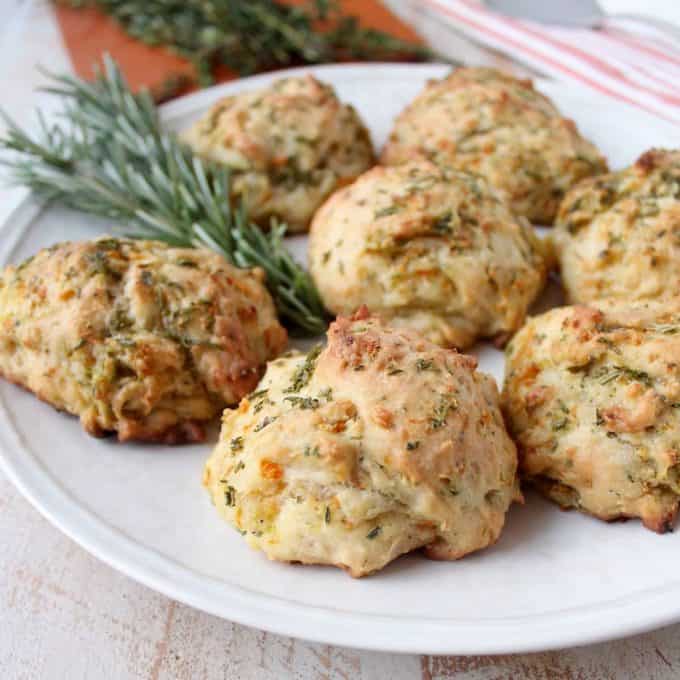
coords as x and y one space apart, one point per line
108 155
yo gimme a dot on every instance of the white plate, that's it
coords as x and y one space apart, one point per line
554 579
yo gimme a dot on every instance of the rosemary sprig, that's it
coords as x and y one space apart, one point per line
253 35
108 155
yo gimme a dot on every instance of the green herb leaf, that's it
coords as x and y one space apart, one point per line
373 533
385 212
267 420
304 372
304 403
441 412
607 374
425 365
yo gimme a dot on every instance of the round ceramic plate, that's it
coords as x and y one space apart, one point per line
554 579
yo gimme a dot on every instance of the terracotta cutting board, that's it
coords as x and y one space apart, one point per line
88 34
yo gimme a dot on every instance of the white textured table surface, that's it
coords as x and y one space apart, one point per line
65 615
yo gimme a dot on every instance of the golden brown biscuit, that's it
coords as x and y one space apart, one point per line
288 147
136 337
618 235
487 122
427 248
592 397
374 446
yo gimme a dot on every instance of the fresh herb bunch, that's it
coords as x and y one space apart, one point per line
253 35
109 156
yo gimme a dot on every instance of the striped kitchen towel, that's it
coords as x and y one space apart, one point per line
626 59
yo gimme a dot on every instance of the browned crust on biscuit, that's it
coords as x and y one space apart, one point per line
660 523
182 432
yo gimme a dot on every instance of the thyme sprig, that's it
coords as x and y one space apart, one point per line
108 155
249 36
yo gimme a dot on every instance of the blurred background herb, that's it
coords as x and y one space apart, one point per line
249 36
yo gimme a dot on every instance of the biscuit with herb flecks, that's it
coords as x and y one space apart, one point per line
486 122
592 398
618 235
376 445
430 249
135 337
287 146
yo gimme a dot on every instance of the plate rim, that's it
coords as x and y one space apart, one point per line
629 615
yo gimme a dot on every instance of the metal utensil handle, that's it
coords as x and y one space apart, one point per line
662 25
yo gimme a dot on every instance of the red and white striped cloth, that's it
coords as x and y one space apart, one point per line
626 59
